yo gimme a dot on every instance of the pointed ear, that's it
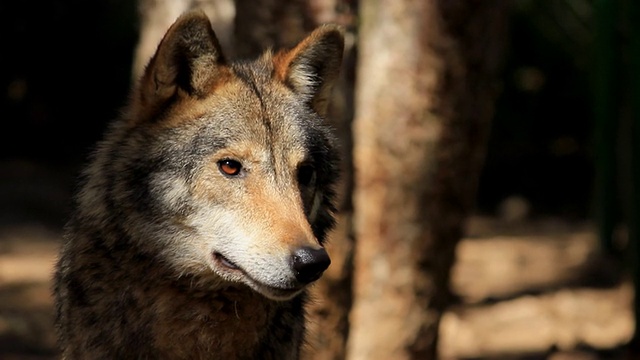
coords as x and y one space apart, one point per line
188 58
311 67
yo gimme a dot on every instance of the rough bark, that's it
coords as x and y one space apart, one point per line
329 313
426 85
262 24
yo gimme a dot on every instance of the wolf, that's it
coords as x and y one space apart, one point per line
200 218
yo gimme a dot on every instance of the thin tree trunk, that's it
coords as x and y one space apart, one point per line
426 86
328 325
263 24
266 24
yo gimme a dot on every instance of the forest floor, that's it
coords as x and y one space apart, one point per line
536 289
528 290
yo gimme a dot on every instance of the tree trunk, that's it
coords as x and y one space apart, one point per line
328 325
281 23
262 24
426 86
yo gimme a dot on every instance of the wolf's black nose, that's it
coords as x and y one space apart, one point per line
310 263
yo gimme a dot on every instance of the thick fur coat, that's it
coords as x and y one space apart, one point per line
199 221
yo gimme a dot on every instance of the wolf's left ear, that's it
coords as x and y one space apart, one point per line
312 66
189 58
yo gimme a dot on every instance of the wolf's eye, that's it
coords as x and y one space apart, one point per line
229 167
306 175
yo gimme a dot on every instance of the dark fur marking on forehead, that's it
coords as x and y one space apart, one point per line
246 78
245 74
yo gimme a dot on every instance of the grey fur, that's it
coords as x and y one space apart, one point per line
168 257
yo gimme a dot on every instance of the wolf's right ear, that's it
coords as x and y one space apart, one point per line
311 68
188 59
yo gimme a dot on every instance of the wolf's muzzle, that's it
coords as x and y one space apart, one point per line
309 263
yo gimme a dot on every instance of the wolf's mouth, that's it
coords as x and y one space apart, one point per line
224 261
270 291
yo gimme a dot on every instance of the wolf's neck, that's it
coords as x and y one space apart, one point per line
236 322
182 317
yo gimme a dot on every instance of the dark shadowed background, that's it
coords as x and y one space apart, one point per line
65 71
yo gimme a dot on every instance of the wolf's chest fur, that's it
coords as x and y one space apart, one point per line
200 220
153 315
232 324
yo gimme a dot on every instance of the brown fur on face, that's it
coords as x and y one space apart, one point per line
168 256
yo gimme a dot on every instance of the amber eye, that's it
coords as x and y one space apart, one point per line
306 175
229 167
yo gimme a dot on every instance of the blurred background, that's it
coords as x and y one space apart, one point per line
544 265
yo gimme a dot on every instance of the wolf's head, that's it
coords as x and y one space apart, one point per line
226 168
